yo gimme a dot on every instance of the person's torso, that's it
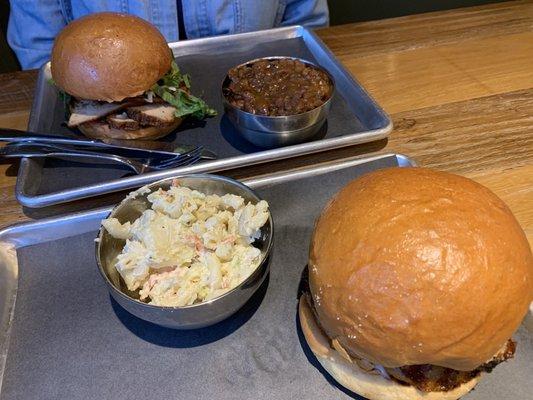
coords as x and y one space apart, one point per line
201 17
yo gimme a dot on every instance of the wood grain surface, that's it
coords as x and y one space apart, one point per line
458 85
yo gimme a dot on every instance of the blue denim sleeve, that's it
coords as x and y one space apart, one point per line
32 28
311 13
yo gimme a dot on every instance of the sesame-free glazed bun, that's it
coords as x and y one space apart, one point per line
108 57
412 266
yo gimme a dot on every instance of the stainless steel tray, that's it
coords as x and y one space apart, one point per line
354 118
66 338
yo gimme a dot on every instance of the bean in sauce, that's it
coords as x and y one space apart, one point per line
277 87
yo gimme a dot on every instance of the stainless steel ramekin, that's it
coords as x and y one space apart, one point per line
196 315
276 131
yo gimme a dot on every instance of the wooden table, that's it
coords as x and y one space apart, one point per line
458 85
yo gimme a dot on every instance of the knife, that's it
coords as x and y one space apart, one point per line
143 147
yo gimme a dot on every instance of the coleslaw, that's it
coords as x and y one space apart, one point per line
189 247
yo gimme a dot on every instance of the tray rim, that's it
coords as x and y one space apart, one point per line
12 237
25 234
67 195
14 234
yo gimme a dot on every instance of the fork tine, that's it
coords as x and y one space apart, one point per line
190 153
182 159
193 153
179 163
187 161
178 157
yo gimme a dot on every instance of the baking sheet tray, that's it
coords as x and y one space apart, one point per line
69 340
354 118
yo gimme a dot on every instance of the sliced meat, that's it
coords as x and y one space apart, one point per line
144 99
122 121
505 353
153 114
432 378
83 111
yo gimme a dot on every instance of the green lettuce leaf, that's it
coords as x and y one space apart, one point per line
65 98
174 87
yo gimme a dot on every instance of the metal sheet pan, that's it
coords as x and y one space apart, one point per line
70 340
354 118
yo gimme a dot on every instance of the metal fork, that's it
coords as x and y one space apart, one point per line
125 148
136 165
154 160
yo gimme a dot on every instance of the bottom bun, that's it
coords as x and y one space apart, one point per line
369 385
102 130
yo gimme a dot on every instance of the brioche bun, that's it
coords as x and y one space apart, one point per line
108 57
102 130
372 386
412 266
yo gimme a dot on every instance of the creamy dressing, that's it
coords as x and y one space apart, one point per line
189 247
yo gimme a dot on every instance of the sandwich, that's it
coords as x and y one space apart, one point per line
417 280
119 79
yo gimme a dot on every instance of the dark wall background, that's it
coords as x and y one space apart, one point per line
346 11
341 11
8 61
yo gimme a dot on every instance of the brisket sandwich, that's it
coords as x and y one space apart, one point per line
417 280
120 79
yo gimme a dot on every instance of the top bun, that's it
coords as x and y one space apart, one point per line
108 57
412 266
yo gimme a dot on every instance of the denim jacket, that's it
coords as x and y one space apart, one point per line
34 24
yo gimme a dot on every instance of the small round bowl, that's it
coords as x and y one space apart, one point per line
196 315
277 131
